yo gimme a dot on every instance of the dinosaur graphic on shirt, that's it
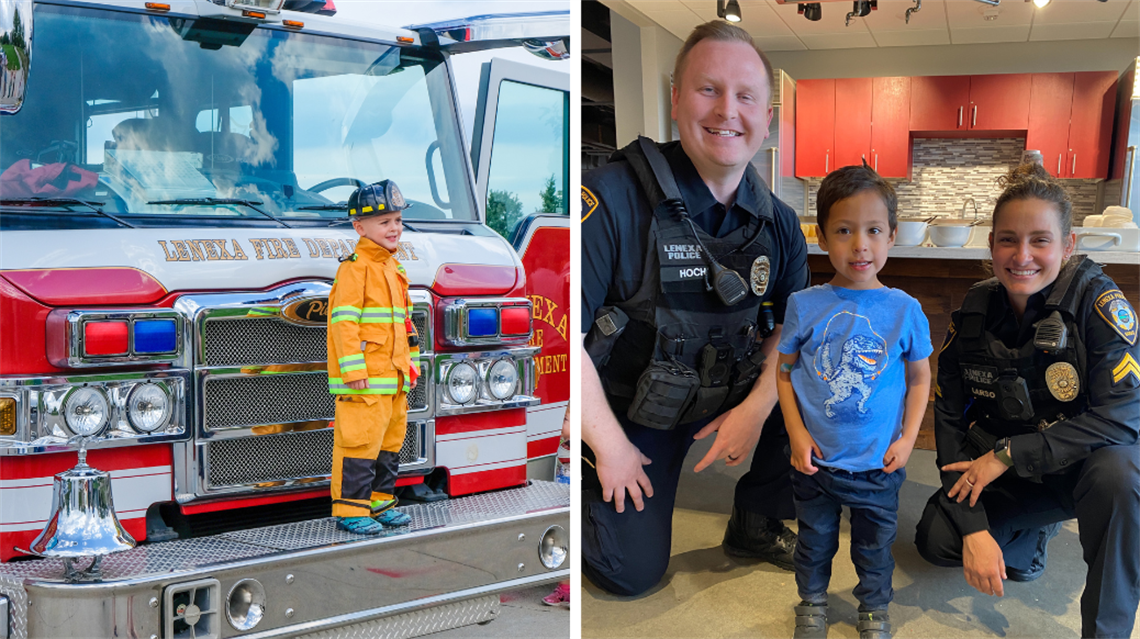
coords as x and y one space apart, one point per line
861 356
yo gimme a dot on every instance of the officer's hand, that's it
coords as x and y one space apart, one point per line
620 471
983 563
803 447
359 384
976 475
736 435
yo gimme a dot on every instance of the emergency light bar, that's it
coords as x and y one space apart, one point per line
78 339
543 33
496 321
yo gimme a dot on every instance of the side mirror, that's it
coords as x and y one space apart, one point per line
15 55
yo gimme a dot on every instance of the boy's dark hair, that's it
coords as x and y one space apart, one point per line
843 183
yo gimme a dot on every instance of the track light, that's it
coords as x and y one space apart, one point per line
730 12
1040 4
810 10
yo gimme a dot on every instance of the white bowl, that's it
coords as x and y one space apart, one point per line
910 233
948 235
1108 239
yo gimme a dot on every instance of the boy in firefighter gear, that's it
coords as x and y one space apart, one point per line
373 363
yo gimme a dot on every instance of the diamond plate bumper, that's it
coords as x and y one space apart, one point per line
316 578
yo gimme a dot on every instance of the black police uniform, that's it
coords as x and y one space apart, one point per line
1074 447
628 553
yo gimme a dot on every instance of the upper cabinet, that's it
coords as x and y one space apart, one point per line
970 103
1070 122
1067 116
851 121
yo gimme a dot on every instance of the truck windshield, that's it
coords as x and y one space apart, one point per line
152 120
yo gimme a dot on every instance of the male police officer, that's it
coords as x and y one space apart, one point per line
680 304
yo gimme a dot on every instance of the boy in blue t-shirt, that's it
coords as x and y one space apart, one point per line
853 384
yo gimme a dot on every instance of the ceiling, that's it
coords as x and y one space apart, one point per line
778 27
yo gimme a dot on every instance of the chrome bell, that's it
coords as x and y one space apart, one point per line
83 521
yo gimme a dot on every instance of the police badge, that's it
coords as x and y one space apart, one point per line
1061 378
760 270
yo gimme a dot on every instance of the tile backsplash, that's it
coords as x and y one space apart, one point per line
946 171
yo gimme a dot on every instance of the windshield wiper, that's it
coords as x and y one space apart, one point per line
324 207
214 201
64 201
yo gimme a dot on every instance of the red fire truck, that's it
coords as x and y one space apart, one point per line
171 178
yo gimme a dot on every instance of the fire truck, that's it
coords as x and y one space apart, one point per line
172 179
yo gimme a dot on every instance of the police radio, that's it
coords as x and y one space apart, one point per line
1051 334
729 286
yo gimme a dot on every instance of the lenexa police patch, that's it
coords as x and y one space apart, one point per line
1116 310
589 203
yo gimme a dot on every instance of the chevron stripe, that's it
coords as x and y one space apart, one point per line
1126 367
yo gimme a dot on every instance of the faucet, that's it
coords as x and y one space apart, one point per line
969 199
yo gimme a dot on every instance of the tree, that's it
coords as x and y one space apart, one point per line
17 30
551 199
503 210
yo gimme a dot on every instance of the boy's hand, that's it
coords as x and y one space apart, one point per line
359 384
413 382
897 455
803 447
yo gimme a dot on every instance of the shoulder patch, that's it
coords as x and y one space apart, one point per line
1115 309
951 332
589 203
1127 366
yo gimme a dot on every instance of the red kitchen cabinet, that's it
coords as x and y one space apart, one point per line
890 127
815 127
1090 127
1050 107
852 121
999 102
1070 122
970 103
938 103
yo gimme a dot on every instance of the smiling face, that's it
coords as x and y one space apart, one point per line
385 229
720 103
857 237
1028 248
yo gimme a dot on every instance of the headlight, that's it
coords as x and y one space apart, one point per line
461 383
86 411
148 407
502 379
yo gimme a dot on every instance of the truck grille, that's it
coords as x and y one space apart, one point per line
243 402
263 340
274 458
236 402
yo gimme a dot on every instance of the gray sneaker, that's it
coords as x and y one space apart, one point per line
875 624
811 621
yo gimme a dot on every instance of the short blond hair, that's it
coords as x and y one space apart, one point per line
721 31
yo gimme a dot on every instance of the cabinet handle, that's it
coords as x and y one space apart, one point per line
974 120
826 162
876 163
1059 164
960 117
1131 173
1074 173
775 158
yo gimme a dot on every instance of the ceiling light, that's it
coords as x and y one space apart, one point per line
1040 3
731 12
810 10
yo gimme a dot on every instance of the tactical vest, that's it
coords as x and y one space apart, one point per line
674 319
1055 381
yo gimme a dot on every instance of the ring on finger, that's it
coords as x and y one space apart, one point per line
971 484
733 458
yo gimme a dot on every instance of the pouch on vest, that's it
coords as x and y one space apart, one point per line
609 322
744 376
664 391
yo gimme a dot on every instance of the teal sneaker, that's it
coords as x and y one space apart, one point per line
359 525
393 517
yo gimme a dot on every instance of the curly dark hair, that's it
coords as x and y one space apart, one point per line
843 183
1032 181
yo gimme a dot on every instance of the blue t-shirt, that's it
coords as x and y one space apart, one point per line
850 379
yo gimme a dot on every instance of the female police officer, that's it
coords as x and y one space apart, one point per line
1039 376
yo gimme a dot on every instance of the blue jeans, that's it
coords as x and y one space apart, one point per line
873 497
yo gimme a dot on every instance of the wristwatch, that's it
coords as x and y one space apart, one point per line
1001 451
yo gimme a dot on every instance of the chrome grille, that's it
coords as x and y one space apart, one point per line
236 402
287 456
420 321
418 396
261 340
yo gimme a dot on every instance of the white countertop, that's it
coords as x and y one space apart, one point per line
939 253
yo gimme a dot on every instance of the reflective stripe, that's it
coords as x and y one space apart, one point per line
381 315
349 359
344 314
376 386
